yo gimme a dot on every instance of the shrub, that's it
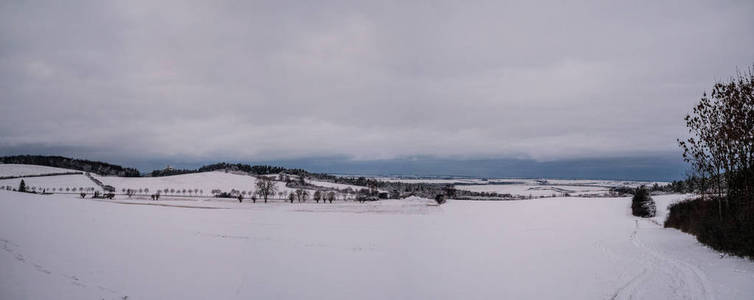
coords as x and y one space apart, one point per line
731 234
642 204
440 199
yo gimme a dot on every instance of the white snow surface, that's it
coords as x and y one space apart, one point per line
59 182
526 181
536 190
25 170
62 247
339 186
206 181
532 187
549 187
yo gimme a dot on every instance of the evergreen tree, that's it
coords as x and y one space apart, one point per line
642 204
22 186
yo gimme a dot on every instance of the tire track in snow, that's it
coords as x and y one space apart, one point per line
630 286
686 280
12 249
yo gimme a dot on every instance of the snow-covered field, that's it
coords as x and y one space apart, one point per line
205 181
531 187
61 247
200 184
25 170
549 187
59 183
339 186
536 190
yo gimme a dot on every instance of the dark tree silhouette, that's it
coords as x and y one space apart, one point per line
642 204
317 196
330 196
265 187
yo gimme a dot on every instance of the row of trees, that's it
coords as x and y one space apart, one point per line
46 189
302 195
238 167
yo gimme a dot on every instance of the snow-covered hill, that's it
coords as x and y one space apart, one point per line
205 181
61 247
25 170
196 184
53 184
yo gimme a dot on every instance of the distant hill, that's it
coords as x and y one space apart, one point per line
256 169
96 167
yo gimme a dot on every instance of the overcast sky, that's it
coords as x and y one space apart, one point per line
256 80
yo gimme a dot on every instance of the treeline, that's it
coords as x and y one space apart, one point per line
170 172
97 167
238 167
721 151
692 184
395 189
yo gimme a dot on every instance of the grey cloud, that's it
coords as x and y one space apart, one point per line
282 80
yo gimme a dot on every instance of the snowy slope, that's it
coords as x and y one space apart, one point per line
23 170
60 247
59 183
205 182
339 186
534 190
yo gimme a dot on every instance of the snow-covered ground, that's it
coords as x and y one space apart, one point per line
61 247
491 181
25 170
198 183
339 186
535 190
531 187
204 182
59 183
549 187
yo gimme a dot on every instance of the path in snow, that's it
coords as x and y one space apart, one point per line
685 280
64 247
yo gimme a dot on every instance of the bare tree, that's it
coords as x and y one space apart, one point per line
265 187
721 146
330 196
317 196
302 195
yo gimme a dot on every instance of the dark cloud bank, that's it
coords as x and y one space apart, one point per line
484 88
